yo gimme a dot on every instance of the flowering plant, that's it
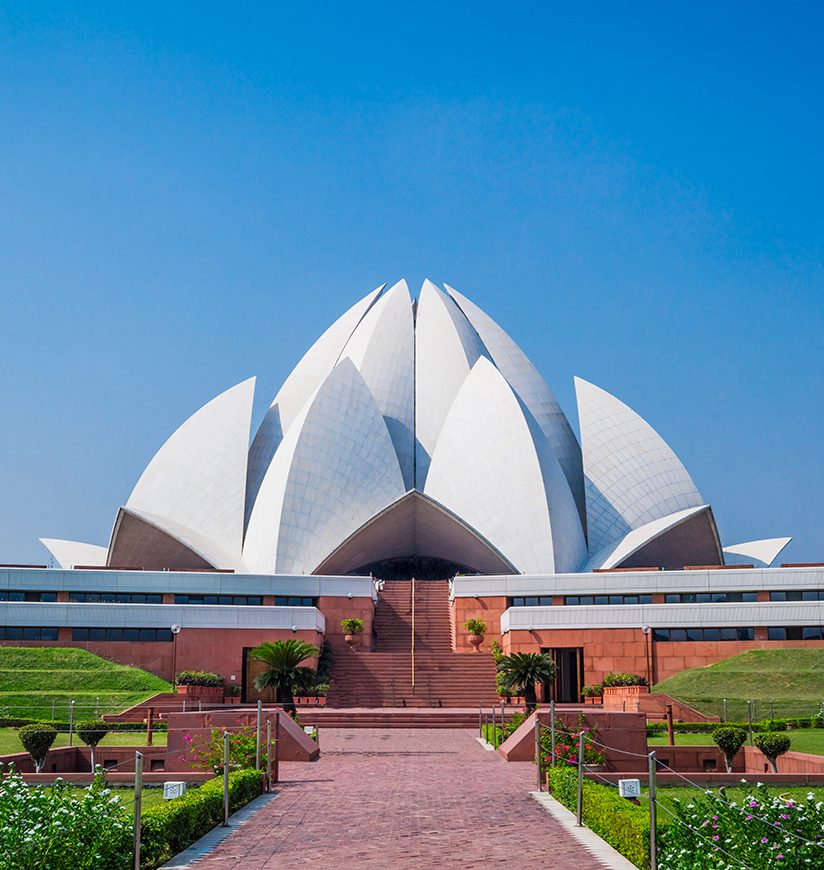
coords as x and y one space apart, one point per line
567 742
207 754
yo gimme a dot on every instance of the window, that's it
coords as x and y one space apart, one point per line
116 597
294 601
607 599
19 595
37 632
796 632
228 600
531 601
675 635
709 597
123 634
798 595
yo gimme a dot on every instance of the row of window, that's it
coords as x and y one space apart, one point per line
116 597
156 598
796 632
27 632
126 634
17 595
709 597
608 599
671 635
805 595
669 598
231 600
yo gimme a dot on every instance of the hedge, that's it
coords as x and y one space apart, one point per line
623 825
63 727
169 828
761 726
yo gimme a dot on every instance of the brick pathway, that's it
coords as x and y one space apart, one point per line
398 798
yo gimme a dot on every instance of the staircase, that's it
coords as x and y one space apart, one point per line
383 678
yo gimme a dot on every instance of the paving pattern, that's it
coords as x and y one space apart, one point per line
401 798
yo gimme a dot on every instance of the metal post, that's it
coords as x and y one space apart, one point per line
268 755
97 708
653 815
138 802
149 723
184 705
277 746
579 814
53 703
749 720
413 634
71 722
200 705
538 750
724 717
225 779
480 719
552 731
257 734
670 727
503 711
494 732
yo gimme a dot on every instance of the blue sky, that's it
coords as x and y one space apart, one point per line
190 193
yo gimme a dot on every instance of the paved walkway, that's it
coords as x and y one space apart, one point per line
398 798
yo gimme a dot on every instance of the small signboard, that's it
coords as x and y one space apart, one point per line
172 790
629 788
309 729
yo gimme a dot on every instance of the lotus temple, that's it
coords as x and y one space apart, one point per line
414 471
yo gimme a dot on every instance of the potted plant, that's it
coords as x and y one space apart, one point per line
623 691
593 693
351 629
524 670
234 694
477 630
201 683
284 674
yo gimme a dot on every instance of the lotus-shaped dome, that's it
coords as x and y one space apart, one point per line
411 429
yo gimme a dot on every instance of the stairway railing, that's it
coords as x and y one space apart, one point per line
413 634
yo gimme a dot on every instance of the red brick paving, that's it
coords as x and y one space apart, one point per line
401 798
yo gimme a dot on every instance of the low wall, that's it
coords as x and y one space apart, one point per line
77 759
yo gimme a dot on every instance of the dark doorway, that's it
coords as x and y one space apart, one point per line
565 687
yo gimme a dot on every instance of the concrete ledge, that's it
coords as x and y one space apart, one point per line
217 835
597 847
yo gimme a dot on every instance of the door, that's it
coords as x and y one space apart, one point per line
565 686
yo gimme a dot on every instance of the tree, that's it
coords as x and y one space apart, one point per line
523 670
91 733
772 745
37 740
284 674
729 740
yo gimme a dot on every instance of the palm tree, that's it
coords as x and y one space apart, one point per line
522 671
283 673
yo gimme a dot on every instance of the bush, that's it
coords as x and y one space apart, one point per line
623 825
475 626
612 679
171 827
594 690
198 678
58 828
729 740
37 740
772 745
352 626
91 733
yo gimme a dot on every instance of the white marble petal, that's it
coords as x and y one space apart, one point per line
632 476
302 382
489 469
67 554
446 348
533 391
197 480
338 469
383 350
759 553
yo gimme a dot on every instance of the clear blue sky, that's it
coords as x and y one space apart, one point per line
191 192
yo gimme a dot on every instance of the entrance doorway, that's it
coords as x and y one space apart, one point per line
565 686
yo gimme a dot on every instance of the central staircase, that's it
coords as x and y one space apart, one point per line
383 678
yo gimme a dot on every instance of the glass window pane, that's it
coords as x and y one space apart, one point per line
14 632
776 634
749 596
712 634
729 634
645 599
80 634
809 595
695 634
48 633
811 632
585 599
660 634
254 600
531 600
131 634
572 599
678 634
147 634
778 596
97 634
672 598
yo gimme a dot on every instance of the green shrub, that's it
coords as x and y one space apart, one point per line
772 745
198 678
171 827
612 679
91 733
729 740
475 626
594 690
37 740
623 825
352 626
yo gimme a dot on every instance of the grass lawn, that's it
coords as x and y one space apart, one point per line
793 679
802 740
667 794
35 681
10 742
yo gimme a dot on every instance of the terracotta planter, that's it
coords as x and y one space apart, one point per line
476 640
625 698
352 640
593 699
201 691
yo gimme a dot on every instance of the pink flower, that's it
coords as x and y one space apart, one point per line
187 738
715 837
764 840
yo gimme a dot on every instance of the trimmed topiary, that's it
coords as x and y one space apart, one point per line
37 740
772 745
729 741
91 733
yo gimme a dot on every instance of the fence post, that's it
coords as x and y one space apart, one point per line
71 722
184 705
724 717
670 727
257 734
200 705
503 717
268 755
97 708
552 732
494 732
53 703
749 720
480 719
579 814
653 814
277 746
149 723
138 803
225 779
538 749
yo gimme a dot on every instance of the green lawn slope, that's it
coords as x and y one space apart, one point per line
32 678
793 679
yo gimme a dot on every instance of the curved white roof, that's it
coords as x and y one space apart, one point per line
414 429
631 474
67 554
759 553
197 480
